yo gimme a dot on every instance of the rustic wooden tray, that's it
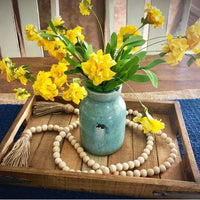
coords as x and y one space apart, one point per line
181 179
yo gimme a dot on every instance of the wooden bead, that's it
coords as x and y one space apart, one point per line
68 135
167 164
82 154
150 172
76 146
76 111
143 172
56 149
136 173
33 129
135 112
129 173
55 127
71 127
73 142
116 173
119 166
66 129
44 127
162 168
105 170
91 171
145 156
74 124
173 150
125 166
139 115
80 149
85 159
122 173
140 127
141 159
95 166
58 160
172 145
150 138
149 147
62 164
62 134
170 160
56 155
131 164
66 168
163 136
58 138
136 163
168 140
130 111
156 170
135 125
150 142
90 162
71 137
172 155
147 151
56 143
113 168
99 171
38 129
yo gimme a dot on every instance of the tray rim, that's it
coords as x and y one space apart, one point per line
24 115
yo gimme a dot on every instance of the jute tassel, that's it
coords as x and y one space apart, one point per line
41 108
19 154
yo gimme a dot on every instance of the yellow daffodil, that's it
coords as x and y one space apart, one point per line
75 93
154 16
98 67
126 31
197 51
176 49
85 7
3 64
150 124
44 86
193 35
21 93
31 32
57 72
72 35
20 75
57 21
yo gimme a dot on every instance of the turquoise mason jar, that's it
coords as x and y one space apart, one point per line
102 122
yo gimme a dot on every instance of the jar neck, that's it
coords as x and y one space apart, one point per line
104 96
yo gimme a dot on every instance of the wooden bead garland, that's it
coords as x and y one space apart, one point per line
123 169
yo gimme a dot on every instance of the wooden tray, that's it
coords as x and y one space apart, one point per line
180 180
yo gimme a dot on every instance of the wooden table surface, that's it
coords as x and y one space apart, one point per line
169 77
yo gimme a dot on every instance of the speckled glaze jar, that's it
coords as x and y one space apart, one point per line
102 122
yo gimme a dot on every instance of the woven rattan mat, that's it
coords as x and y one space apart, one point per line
9 98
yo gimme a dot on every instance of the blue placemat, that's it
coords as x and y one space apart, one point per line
191 112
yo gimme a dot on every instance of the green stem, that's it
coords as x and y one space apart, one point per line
102 35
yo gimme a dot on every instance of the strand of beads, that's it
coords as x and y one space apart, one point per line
124 169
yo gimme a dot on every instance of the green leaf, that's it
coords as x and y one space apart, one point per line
72 62
113 44
107 48
89 50
73 71
152 77
48 35
134 41
139 78
153 64
54 29
190 61
141 55
82 52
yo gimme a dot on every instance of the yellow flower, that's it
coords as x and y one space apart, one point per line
176 49
75 93
57 21
73 34
98 67
193 35
197 51
20 75
154 16
57 72
31 32
21 93
44 86
85 7
126 31
3 64
148 124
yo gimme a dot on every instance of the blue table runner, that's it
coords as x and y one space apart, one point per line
191 114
